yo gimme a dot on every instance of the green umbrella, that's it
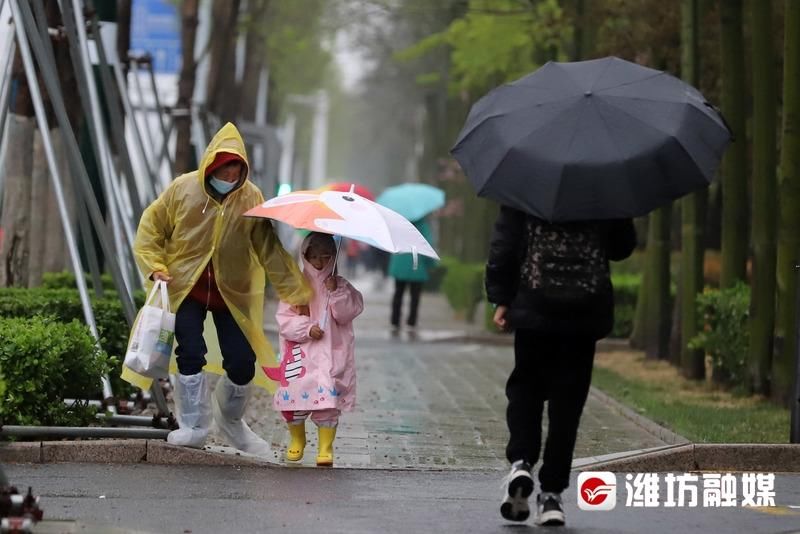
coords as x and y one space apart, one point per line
412 200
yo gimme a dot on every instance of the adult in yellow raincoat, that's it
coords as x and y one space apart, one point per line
195 237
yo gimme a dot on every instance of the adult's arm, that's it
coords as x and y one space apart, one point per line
282 271
621 239
502 267
155 228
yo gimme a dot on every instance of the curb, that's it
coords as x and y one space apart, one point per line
773 458
123 451
664 434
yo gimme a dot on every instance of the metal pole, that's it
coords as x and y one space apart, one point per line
135 194
23 16
162 124
99 138
147 134
41 119
132 420
5 86
80 432
287 151
319 143
84 226
795 430
137 135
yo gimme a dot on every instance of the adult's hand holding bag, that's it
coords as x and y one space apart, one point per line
150 347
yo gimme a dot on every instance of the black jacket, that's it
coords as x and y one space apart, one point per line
527 308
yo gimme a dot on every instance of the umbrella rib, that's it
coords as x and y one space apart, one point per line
638 119
608 66
660 73
514 110
561 182
512 145
659 100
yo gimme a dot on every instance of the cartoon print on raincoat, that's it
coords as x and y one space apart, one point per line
186 227
329 377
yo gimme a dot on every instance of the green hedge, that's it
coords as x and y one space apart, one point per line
463 286
65 305
44 361
626 289
725 335
66 280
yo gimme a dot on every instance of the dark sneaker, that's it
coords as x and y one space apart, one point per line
517 487
550 510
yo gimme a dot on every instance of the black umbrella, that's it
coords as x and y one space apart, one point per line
595 139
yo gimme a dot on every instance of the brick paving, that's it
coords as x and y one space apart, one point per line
431 400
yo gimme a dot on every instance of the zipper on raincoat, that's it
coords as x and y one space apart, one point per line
208 297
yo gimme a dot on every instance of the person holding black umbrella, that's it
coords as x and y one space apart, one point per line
551 282
572 152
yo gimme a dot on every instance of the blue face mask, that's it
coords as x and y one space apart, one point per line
222 187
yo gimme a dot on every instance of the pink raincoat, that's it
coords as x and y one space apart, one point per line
316 375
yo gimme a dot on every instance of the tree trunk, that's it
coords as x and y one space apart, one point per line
734 165
762 308
789 225
123 27
56 255
247 90
693 212
658 313
222 68
637 338
183 121
15 221
40 178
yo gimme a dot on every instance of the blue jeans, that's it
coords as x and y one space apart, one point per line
238 358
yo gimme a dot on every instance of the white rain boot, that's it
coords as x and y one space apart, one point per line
193 405
229 404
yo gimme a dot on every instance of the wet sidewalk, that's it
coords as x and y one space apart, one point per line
433 398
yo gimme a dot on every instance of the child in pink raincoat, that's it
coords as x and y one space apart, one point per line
317 374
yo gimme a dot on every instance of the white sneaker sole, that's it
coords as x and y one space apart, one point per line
515 504
551 518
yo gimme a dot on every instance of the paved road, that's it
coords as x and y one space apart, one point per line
423 452
202 500
425 402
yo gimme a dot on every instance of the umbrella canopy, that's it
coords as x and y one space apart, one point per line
348 215
412 200
348 186
595 139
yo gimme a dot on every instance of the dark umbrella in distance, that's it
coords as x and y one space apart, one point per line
596 139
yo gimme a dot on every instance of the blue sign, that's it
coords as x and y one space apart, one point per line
156 28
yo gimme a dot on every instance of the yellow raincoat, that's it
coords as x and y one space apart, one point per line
186 227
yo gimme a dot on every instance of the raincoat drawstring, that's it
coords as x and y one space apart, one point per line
208 199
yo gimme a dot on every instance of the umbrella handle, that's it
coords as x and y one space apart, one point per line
324 322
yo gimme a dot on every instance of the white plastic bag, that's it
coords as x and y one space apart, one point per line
150 347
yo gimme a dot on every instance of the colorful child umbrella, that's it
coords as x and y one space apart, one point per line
347 187
348 215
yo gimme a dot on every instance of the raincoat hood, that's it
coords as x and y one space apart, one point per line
227 139
317 277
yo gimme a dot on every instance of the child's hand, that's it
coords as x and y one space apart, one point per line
301 309
330 283
316 332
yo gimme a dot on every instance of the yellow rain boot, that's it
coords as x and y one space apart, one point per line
326 437
297 443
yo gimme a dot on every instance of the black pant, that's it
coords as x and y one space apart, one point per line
557 369
397 301
238 358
